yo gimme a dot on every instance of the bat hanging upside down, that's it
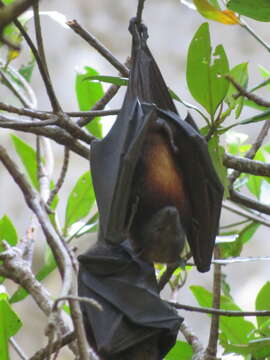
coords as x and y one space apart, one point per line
163 210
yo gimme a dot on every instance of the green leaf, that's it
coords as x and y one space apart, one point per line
80 200
116 80
27 70
234 248
258 10
88 93
252 105
28 157
236 329
261 117
263 303
265 73
9 325
215 4
7 232
217 153
240 75
254 185
90 227
205 72
234 140
258 349
181 350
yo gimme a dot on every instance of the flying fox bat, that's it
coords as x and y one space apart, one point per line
155 187
152 174
132 315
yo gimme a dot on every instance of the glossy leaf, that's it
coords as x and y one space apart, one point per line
7 232
28 157
209 11
240 75
236 329
258 10
181 350
258 349
90 227
116 80
266 74
263 303
9 325
88 93
205 71
80 200
234 248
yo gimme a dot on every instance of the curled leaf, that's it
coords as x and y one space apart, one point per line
207 10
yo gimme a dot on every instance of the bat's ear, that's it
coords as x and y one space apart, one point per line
189 119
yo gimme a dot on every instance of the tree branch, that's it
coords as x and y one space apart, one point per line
248 202
140 11
59 135
243 164
211 350
63 341
38 207
96 44
211 311
254 148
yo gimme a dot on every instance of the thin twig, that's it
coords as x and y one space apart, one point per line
87 300
15 90
254 34
193 340
253 150
213 336
26 124
93 113
18 270
211 311
76 315
248 202
61 179
60 136
96 44
243 92
65 340
26 112
140 11
37 206
246 214
110 93
45 76
106 98
45 115
18 349
246 165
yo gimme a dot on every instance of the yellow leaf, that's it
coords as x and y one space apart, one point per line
12 54
207 10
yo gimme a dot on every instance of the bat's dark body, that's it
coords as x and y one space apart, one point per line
152 156
126 288
155 185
